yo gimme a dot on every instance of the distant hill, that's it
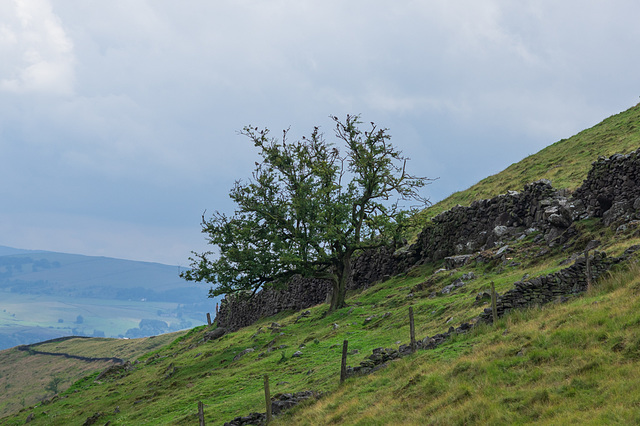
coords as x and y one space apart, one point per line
45 294
5 251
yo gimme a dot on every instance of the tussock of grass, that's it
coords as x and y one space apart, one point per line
540 365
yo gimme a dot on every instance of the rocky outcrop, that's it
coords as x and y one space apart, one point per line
215 334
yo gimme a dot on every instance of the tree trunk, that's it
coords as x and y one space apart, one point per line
340 280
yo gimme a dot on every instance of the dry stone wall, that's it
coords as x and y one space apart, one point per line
611 191
554 287
236 312
487 223
372 266
279 404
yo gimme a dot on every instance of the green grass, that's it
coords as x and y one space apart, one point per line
565 163
24 376
447 385
575 363
569 363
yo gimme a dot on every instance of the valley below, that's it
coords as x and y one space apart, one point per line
46 295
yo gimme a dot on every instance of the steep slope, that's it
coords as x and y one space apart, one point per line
575 363
25 372
575 360
565 163
566 349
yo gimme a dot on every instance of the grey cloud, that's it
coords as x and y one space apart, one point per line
134 121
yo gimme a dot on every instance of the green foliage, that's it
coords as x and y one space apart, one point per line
307 210
53 384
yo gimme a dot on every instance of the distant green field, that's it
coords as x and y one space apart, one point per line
32 318
113 317
45 295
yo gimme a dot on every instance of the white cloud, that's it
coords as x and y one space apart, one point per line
37 55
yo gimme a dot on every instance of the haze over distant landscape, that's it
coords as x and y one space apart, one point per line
119 119
46 295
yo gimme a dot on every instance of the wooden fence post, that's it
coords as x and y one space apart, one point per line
267 397
343 365
201 413
412 330
588 266
494 308
209 319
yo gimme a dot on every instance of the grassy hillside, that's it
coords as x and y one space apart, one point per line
559 363
565 163
24 376
574 362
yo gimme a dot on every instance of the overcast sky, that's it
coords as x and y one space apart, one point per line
119 118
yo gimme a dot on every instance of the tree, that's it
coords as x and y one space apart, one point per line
53 384
308 209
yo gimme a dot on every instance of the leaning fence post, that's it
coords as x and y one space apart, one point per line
267 397
412 330
343 365
209 319
494 308
201 413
